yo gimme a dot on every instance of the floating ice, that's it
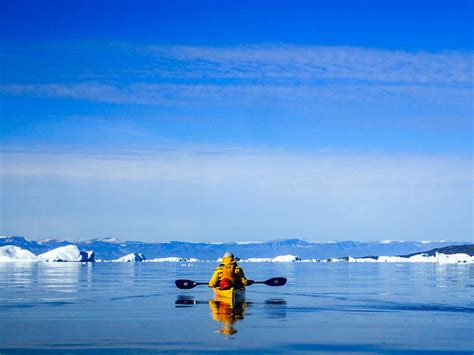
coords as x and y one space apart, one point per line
173 259
11 253
67 253
276 259
419 258
133 257
361 260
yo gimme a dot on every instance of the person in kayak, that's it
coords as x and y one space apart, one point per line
228 274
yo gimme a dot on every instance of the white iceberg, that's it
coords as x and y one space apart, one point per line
133 257
419 258
454 258
361 260
67 253
392 259
276 259
172 259
285 259
11 253
257 260
193 260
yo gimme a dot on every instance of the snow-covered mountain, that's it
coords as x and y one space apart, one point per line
112 248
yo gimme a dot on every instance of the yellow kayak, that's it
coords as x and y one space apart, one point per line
232 295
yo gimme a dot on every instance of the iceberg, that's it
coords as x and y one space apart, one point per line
455 258
276 259
285 259
392 259
67 253
172 259
419 258
133 257
11 253
361 260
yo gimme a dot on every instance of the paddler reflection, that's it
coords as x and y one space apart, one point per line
227 314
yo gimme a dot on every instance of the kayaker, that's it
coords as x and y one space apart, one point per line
228 274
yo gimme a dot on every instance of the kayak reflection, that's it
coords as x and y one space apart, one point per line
227 314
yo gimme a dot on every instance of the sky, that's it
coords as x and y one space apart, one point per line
226 120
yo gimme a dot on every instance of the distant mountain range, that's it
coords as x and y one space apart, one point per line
112 248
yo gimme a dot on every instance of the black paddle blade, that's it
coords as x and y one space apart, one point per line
276 281
185 284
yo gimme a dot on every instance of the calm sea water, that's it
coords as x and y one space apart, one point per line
133 307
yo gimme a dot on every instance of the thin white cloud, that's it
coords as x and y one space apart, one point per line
231 94
315 63
305 79
223 165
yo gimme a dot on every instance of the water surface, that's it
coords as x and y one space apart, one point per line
325 307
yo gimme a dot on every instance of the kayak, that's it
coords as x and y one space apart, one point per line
232 295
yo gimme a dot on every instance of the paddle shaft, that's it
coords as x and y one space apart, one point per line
188 284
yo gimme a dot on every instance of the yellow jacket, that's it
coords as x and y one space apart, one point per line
238 277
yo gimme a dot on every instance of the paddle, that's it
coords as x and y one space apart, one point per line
188 284
276 281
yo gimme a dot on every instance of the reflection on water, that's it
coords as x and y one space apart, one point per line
276 308
224 312
227 314
60 277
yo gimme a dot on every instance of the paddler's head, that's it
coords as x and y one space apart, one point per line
228 258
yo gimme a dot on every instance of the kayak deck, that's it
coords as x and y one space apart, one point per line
232 295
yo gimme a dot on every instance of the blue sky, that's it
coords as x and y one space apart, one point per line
222 120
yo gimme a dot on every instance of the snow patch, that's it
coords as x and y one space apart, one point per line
112 240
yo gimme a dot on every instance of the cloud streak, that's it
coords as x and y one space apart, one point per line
231 95
214 165
267 62
268 75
